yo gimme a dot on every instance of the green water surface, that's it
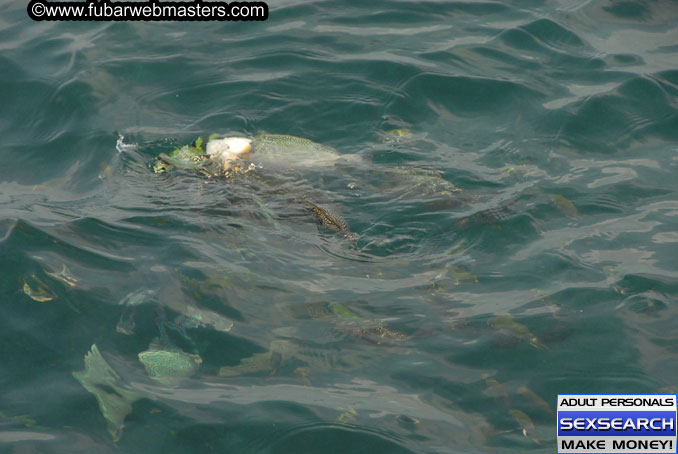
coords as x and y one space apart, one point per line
508 170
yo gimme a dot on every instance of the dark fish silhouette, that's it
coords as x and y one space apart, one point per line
332 221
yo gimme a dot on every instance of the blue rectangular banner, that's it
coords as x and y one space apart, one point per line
617 423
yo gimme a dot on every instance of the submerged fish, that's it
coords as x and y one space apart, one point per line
342 311
127 321
41 293
348 416
491 216
332 221
289 141
497 391
292 151
507 324
186 157
374 332
195 317
422 180
270 361
565 206
536 401
395 135
167 364
182 163
401 132
115 402
259 362
526 424
226 155
407 421
64 276
452 275
301 374
218 158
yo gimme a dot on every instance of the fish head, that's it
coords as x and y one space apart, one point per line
239 145
228 150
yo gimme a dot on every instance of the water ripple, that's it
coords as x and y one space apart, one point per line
508 172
